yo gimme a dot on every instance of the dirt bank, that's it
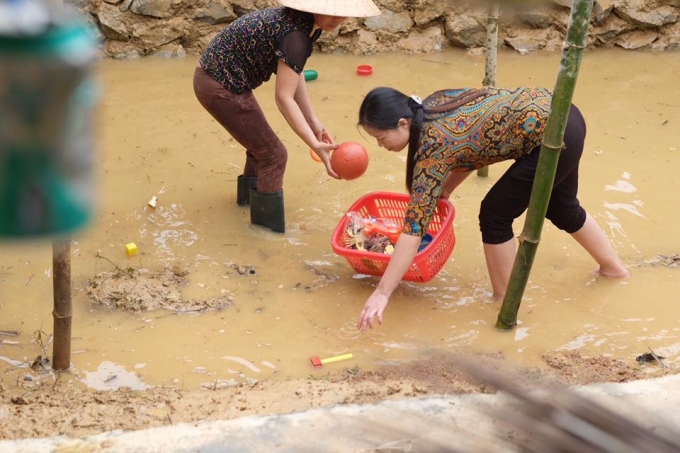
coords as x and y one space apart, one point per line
35 403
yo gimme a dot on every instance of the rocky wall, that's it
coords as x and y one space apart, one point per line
172 28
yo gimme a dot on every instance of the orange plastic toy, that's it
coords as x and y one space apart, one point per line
315 157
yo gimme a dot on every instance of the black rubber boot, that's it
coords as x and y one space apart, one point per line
266 209
244 184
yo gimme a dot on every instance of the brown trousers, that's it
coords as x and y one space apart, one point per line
242 117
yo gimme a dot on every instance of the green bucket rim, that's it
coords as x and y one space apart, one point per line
53 39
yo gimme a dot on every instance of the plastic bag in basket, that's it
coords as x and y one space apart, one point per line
371 234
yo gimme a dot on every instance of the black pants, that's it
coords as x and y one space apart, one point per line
509 197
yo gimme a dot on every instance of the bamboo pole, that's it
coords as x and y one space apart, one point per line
63 312
61 285
491 45
572 55
491 58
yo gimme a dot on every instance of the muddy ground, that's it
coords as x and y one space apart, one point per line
37 402
50 405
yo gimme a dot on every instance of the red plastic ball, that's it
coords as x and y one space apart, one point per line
349 160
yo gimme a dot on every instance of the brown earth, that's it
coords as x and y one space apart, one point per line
50 405
139 290
36 402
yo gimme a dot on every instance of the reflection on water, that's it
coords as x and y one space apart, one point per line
301 299
623 207
13 362
111 376
521 333
169 229
622 185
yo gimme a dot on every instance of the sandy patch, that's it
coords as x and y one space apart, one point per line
142 290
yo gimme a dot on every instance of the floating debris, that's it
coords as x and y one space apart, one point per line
132 290
131 249
669 260
664 260
650 357
40 362
324 274
243 269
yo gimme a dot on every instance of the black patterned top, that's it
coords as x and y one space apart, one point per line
503 124
246 53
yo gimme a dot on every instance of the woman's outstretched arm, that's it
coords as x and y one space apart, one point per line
404 253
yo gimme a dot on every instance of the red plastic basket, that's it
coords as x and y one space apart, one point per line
387 205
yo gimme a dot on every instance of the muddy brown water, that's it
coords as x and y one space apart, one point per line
303 300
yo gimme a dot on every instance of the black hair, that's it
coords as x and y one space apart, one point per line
382 108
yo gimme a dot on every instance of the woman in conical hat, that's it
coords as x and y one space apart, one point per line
245 55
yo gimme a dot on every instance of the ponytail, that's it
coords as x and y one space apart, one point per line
414 139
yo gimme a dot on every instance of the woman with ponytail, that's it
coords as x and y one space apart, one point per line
454 132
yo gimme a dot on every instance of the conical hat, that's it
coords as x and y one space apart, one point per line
341 8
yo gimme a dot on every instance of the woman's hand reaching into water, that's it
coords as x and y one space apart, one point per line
373 308
404 252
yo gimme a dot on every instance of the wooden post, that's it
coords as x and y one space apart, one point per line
570 65
491 58
63 308
491 45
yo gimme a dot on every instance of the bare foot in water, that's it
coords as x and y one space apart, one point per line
613 273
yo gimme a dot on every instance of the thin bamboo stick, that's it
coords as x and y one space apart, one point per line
570 65
491 58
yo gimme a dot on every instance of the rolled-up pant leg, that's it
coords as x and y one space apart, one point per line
242 117
509 197
564 209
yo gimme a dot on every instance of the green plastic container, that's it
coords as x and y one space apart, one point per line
47 97
310 74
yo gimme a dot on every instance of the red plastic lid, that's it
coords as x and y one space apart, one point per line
364 69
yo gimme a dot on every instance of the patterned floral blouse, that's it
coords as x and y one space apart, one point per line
500 125
246 53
